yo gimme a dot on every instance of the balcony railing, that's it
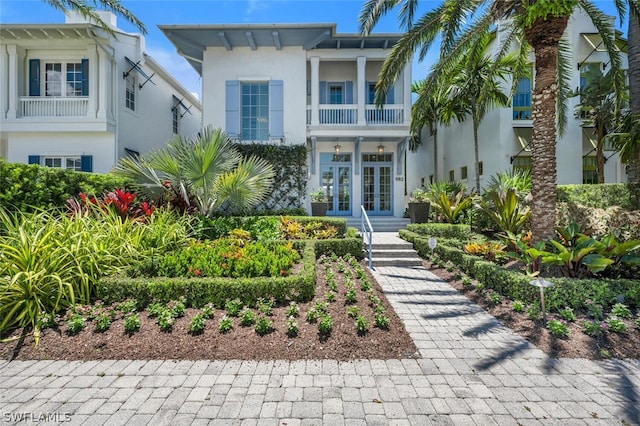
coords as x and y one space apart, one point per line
330 114
389 114
49 106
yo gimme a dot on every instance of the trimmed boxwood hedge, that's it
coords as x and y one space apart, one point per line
199 291
515 285
599 195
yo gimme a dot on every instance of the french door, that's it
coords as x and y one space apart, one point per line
335 172
377 184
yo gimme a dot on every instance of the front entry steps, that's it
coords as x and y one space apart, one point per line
380 223
386 253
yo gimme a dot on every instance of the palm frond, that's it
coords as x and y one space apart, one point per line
371 13
246 186
565 64
89 13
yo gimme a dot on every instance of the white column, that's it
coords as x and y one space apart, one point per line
93 80
101 78
407 93
4 82
362 62
13 81
315 88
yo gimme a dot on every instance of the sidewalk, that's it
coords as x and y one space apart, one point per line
473 371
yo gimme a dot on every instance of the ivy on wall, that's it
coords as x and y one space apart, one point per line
290 165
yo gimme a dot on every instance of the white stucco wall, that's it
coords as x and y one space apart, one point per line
100 145
263 64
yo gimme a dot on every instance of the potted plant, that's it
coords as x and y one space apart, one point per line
419 206
319 202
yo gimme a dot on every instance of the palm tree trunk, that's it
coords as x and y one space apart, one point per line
634 95
543 36
434 132
600 154
476 153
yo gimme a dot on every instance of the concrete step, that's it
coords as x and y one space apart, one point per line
396 261
391 246
393 252
380 223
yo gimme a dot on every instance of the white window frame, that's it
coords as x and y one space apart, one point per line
64 162
44 62
241 110
131 104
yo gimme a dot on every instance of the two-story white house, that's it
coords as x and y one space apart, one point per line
505 134
307 84
72 96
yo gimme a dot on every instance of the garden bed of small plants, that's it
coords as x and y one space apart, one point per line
593 333
349 318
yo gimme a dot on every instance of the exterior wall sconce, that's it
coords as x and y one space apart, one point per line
380 149
336 149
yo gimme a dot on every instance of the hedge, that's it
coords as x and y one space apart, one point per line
443 230
340 246
599 196
515 285
29 187
199 291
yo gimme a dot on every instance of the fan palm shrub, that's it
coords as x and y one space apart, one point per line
205 172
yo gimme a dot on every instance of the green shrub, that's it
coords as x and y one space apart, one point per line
200 291
264 325
292 326
442 230
197 324
131 323
29 187
558 328
599 196
225 324
339 247
247 317
325 325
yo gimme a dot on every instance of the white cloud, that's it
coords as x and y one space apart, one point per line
178 67
256 6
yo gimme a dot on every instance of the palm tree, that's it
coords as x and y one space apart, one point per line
431 108
598 108
538 24
205 170
475 81
88 11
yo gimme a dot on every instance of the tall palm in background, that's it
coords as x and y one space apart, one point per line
87 10
536 23
476 81
206 171
598 108
431 108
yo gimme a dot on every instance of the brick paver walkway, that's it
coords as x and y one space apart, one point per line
473 371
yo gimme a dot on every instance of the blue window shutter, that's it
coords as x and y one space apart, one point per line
86 163
34 159
276 116
390 96
367 91
349 90
232 119
34 77
85 77
323 92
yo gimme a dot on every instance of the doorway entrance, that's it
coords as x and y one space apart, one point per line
335 179
377 184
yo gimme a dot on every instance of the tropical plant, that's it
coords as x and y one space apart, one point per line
520 180
204 170
538 25
505 210
319 196
452 206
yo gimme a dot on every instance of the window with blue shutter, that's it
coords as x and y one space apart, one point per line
232 119
34 77
34 159
349 94
85 77
276 113
86 163
390 96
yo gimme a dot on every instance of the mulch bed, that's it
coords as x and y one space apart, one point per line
576 345
344 343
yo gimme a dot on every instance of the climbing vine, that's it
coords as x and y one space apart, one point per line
290 165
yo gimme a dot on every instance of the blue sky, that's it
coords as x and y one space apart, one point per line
156 12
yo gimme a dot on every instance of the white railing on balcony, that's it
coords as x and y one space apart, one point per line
49 106
389 114
331 114
338 114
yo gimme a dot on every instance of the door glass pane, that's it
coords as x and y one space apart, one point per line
335 95
74 79
327 185
344 189
369 188
385 188
53 79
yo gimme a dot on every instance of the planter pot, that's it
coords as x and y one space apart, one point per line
318 209
419 212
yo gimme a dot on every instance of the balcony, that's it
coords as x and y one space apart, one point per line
347 114
49 106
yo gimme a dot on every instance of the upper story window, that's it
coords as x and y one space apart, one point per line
254 119
522 100
336 93
522 163
130 92
371 94
175 116
59 78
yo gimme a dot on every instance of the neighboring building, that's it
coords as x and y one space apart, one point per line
505 133
72 96
306 84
